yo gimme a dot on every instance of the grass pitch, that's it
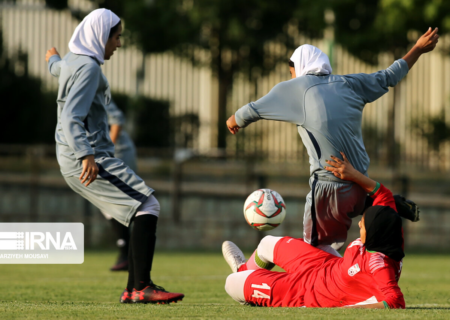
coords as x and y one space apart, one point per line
90 291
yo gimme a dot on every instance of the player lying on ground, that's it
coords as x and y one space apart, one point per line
86 153
327 110
366 277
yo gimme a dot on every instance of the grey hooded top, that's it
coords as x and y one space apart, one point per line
327 110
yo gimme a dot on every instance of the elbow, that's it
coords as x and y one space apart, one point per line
52 70
68 120
397 303
65 118
389 193
398 306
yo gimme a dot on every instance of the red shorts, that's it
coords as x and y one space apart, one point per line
286 289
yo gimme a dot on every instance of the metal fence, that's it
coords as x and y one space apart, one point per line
29 26
201 199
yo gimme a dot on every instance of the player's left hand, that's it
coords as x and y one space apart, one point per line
342 169
51 52
232 125
428 41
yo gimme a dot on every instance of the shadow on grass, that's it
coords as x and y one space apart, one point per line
429 308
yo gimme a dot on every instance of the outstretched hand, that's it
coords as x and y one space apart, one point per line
427 42
51 52
232 125
342 169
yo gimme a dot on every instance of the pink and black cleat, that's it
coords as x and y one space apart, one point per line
126 296
155 294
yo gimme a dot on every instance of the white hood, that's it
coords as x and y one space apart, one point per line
92 33
309 59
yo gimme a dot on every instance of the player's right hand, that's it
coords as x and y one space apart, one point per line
232 125
51 52
427 42
90 170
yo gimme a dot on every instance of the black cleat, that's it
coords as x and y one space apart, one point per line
126 296
121 265
155 294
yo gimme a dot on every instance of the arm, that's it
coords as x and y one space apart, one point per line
370 87
114 132
386 281
54 62
383 197
344 170
282 103
426 43
378 305
74 113
116 120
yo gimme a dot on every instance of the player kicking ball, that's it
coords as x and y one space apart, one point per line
86 153
366 277
327 110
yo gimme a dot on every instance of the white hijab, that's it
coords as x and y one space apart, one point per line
92 33
309 59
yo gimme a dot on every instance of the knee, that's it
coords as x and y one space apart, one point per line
234 285
266 248
267 239
229 284
231 287
267 242
151 206
156 207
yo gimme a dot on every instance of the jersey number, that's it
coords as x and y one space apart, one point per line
258 294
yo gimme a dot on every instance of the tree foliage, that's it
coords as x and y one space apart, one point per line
29 114
434 129
235 33
243 28
366 28
56 4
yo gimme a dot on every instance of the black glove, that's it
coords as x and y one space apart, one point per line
406 208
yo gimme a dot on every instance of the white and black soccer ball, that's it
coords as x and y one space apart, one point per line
264 209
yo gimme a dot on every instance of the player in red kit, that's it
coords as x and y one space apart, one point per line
366 277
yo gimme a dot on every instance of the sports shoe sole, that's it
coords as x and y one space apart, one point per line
160 301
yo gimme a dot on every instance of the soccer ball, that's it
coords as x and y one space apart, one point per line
264 209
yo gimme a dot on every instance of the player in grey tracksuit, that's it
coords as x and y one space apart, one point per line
83 130
327 110
85 151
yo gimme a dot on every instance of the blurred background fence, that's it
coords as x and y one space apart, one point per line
406 133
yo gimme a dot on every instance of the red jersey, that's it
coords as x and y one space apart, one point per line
360 275
315 278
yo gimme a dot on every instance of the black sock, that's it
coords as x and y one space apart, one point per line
123 238
130 284
143 240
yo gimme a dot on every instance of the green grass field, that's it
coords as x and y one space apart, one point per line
90 291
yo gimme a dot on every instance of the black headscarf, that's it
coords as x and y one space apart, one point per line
384 231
